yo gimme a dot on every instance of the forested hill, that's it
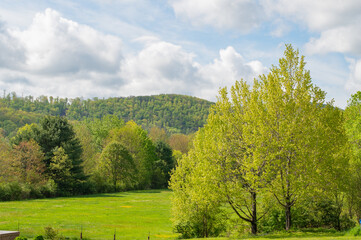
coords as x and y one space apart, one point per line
176 113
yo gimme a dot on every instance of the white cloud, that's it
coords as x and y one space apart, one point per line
354 82
11 51
160 67
229 67
59 57
317 15
163 67
337 22
342 39
242 15
55 45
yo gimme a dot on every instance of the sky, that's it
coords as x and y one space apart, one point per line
120 48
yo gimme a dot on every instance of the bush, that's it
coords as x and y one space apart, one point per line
203 224
21 238
356 231
50 233
49 189
39 237
274 221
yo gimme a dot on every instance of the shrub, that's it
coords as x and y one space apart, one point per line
50 233
203 224
356 231
49 189
39 237
273 221
21 238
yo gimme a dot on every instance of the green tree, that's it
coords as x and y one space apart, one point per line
197 199
163 165
353 131
27 162
59 168
90 152
25 133
118 164
100 128
140 147
273 137
291 128
180 142
5 163
158 134
52 134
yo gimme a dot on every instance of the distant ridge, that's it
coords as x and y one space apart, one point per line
176 113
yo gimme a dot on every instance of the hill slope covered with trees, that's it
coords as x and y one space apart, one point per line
176 113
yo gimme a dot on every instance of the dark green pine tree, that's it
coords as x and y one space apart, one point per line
54 133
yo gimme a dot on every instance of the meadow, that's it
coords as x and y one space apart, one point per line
131 215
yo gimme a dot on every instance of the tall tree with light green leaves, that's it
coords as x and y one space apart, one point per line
291 128
353 130
196 199
271 138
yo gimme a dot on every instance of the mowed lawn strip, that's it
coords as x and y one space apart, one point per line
133 215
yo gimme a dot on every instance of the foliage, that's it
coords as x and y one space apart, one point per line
11 119
176 113
10 191
5 155
50 233
39 237
158 134
163 165
55 133
62 151
117 164
276 139
353 131
180 142
21 238
100 128
59 169
196 201
27 162
91 150
140 147
356 231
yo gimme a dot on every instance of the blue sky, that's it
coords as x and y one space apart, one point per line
109 48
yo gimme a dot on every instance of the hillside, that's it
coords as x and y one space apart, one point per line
176 113
11 119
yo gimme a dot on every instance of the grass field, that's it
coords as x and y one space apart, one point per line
133 215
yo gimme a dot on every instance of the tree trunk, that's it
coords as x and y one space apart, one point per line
288 216
254 213
115 185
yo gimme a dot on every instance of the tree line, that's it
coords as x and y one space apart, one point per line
58 157
175 113
273 155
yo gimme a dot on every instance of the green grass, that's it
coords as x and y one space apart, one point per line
310 234
132 214
288 238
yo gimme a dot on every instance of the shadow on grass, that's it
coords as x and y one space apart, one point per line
120 194
150 191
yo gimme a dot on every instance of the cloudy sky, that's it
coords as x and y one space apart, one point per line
108 48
